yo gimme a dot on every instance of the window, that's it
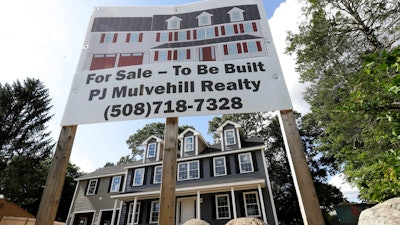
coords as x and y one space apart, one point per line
204 19
219 166
138 177
116 184
92 187
245 163
151 150
157 174
130 59
183 54
154 212
250 27
137 213
109 38
200 34
230 137
254 46
189 144
134 37
229 29
174 23
103 61
251 204
188 170
211 32
222 206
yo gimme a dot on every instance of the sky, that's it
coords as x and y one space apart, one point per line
43 40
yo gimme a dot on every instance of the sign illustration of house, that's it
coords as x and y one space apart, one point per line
216 34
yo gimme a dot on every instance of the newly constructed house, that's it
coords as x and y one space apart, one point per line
215 183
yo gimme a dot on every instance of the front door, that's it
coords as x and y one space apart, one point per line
186 210
207 54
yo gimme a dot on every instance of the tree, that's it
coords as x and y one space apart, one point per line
24 142
331 47
135 140
286 202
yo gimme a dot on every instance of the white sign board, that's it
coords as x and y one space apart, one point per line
205 58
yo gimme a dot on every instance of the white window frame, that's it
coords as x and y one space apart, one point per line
148 150
257 203
236 15
130 213
227 139
92 190
251 162
141 179
114 183
217 207
155 181
188 170
204 20
152 211
187 144
215 166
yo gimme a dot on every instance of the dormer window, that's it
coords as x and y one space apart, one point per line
204 19
151 150
236 14
230 137
174 23
189 144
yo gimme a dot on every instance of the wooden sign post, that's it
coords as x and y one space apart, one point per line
306 194
55 180
168 184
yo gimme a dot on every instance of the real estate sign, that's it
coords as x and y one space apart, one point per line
204 58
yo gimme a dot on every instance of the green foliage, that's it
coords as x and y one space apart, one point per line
26 147
347 52
135 140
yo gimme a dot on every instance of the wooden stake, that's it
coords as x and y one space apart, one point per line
55 180
168 184
306 194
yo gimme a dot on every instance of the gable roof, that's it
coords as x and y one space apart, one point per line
11 209
104 172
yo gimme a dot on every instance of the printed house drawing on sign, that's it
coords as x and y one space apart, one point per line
218 34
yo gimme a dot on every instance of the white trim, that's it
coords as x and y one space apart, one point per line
271 197
142 178
256 148
72 203
233 203
185 144
238 139
114 210
100 176
264 215
148 148
233 136
86 211
95 187
251 161
217 206
154 176
214 164
101 214
112 182
198 206
120 211
196 188
245 205
188 170
152 211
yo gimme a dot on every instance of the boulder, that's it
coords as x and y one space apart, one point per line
246 221
385 213
196 222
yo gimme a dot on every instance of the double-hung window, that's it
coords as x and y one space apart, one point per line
116 184
188 170
189 144
157 174
92 187
151 150
154 212
131 219
246 163
251 204
138 177
230 137
222 206
219 166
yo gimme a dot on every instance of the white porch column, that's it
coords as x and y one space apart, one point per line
233 199
198 210
260 195
134 210
114 211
